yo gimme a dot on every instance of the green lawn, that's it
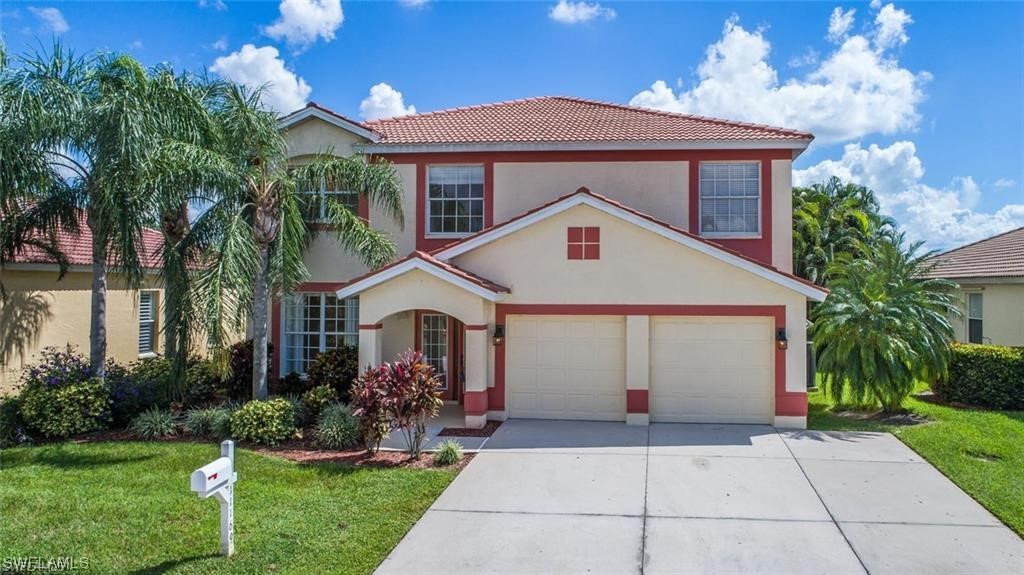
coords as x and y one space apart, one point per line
127 508
981 451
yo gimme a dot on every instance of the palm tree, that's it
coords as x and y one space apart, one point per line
255 226
884 324
830 219
85 136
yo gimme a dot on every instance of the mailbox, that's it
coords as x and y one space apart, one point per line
212 476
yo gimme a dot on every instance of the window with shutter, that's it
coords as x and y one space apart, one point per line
147 322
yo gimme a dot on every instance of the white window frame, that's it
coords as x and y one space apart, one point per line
979 318
151 323
760 200
322 194
483 203
441 373
351 337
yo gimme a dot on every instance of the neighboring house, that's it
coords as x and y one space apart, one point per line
991 277
41 311
571 259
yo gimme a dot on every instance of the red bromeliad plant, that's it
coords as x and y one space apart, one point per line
369 398
415 397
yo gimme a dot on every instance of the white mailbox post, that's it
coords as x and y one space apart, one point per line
218 478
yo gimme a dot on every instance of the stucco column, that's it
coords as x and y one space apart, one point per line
475 396
638 368
370 345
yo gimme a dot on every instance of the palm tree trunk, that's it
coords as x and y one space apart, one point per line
98 317
259 326
175 226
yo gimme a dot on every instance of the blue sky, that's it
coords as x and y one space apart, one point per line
921 101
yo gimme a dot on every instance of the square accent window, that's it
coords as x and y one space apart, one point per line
455 200
730 198
584 243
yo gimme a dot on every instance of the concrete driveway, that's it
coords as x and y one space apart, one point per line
573 497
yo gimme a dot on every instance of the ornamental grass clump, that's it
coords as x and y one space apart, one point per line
448 453
337 428
155 423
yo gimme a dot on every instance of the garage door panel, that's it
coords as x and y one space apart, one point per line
711 369
576 371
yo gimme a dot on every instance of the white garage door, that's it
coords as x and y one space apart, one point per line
566 367
711 369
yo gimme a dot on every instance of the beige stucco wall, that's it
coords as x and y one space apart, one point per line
660 189
1002 313
636 267
419 290
315 136
42 312
782 215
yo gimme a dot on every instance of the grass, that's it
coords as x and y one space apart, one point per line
982 451
127 508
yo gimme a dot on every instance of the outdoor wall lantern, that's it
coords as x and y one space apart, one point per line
499 334
780 338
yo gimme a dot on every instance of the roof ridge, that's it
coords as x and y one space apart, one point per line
976 242
458 109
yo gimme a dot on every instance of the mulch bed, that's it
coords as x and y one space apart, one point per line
359 457
881 417
486 431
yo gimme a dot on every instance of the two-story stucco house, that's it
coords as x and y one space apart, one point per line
571 259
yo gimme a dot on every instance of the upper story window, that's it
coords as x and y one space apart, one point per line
147 322
730 198
317 201
455 200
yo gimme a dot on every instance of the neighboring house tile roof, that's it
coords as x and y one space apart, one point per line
77 248
998 256
563 119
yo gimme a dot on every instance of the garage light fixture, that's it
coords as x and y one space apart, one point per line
780 338
499 334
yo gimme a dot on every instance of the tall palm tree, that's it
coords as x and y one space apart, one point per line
884 324
830 219
255 224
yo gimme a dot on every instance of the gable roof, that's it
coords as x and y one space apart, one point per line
77 248
425 262
314 110
998 256
583 196
563 120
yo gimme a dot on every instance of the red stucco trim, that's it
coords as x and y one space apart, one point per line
371 326
426 244
475 327
757 248
786 402
636 401
474 402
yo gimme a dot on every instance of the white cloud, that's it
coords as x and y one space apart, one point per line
413 3
384 102
302 22
1004 183
858 89
892 24
255 67
220 44
136 45
51 18
944 217
217 5
568 12
808 58
839 23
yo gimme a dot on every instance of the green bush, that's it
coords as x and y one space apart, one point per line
209 421
448 453
269 422
203 382
337 428
984 375
137 387
337 367
60 396
239 383
293 384
301 416
318 398
12 427
155 423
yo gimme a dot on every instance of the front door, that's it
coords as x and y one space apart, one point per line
441 343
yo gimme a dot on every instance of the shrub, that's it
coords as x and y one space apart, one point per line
269 422
369 398
448 453
293 383
61 397
301 416
318 398
203 382
155 423
984 375
414 397
136 388
12 427
337 428
209 421
337 367
239 383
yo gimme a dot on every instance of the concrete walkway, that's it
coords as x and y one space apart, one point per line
574 497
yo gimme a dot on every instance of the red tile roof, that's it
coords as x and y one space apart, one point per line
77 248
998 256
563 119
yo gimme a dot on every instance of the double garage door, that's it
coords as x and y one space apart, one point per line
701 369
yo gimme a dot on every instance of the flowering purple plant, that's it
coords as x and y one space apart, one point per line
61 395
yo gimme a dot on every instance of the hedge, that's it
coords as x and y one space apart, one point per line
984 375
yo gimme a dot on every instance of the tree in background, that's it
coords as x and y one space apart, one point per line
884 324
